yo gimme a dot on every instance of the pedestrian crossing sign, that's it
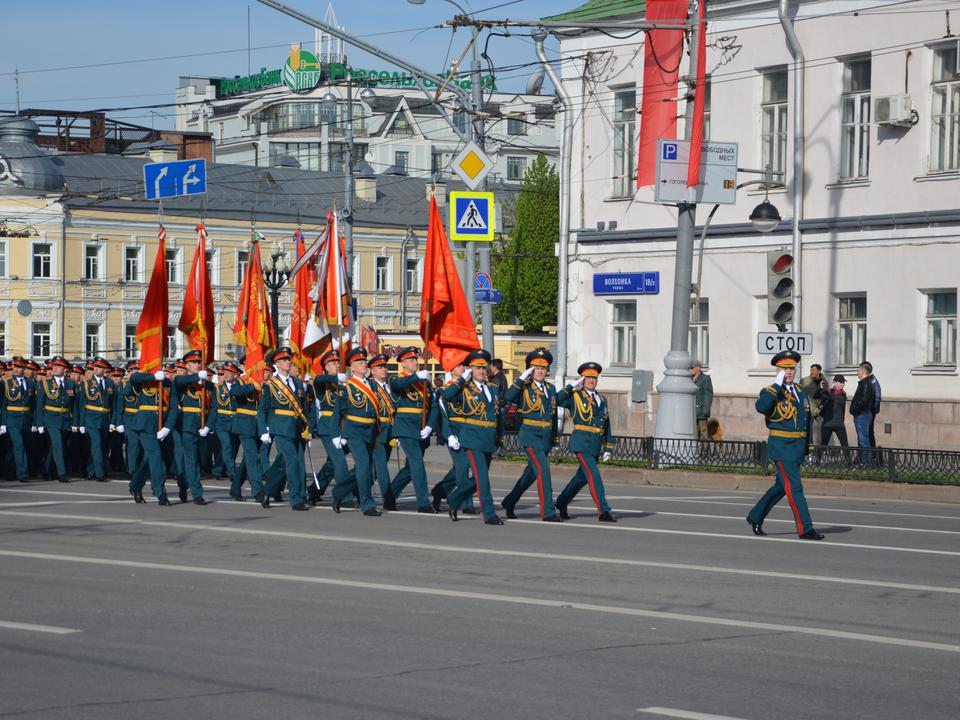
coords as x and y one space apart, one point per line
472 216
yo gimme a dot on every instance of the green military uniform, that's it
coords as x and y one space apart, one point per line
360 414
327 427
245 428
589 441
128 397
54 414
16 417
282 419
97 414
192 395
153 405
223 409
461 465
383 446
537 405
415 421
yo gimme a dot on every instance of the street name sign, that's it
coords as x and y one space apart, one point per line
772 343
488 296
641 283
718 173
472 165
472 216
172 179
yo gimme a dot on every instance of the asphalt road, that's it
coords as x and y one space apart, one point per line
114 610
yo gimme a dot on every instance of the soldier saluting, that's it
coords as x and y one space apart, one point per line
416 418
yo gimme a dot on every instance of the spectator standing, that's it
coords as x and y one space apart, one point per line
861 407
833 411
704 398
815 386
496 378
876 403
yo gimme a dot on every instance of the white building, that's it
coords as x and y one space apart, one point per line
880 221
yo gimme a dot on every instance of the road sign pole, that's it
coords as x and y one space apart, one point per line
486 310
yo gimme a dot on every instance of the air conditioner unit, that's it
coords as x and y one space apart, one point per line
893 110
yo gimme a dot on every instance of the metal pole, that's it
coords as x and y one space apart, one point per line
486 309
566 145
676 410
799 141
347 212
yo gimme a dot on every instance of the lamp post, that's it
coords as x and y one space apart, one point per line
409 240
276 272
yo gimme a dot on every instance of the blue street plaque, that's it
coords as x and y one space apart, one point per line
641 283
486 296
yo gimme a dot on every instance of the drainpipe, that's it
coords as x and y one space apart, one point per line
565 166
63 280
799 142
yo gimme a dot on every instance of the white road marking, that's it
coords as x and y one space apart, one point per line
496 598
492 552
51 629
685 714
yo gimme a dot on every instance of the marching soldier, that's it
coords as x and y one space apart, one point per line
16 416
223 410
590 439
281 418
128 398
416 417
327 389
536 401
97 411
54 415
476 428
153 407
360 413
191 391
461 465
385 441
245 428
75 455
35 448
786 408
115 439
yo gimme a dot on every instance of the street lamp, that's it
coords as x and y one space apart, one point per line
765 217
276 272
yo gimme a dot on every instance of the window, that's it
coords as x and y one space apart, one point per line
411 276
516 168
243 257
288 116
624 131
401 126
773 110
337 155
401 158
172 265
851 331
3 338
42 260
213 267
305 153
516 125
436 162
700 331
624 324
172 342
91 338
855 120
91 262
382 277
130 341
3 260
40 340
707 102
942 328
945 112
131 264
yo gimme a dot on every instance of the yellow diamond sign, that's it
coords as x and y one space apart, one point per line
472 165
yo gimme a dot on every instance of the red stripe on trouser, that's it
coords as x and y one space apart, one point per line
536 464
476 475
789 491
593 490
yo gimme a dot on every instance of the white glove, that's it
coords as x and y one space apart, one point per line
119 428
83 430
341 377
575 385
160 435
453 443
423 374
113 428
204 431
338 442
447 377
41 429
426 432
467 374
265 438
215 379
202 374
73 428
3 429
159 375
33 428
605 457
526 374
780 376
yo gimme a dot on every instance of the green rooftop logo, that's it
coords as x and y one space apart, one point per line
301 71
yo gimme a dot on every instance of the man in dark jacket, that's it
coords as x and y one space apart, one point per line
833 410
704 398
861 407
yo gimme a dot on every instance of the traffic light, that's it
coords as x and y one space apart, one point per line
779 288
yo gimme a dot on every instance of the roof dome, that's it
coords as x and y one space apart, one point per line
24 168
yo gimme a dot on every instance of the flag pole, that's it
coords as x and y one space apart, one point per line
163 234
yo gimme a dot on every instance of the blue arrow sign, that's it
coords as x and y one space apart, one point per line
171 179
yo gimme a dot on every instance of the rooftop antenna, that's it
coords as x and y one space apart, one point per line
249 70
329 49
16 80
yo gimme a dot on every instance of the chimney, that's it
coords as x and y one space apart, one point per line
366 183
162 151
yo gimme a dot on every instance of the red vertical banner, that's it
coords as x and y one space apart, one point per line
662 55
152 327
253 328
302 307
196 318
699 98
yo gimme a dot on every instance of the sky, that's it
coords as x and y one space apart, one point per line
135 51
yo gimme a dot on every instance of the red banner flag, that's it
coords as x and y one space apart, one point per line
332 323
446 323
254 329
699 98
196 317
302 306
662 54
152 327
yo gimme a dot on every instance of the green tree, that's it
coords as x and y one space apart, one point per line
525 266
